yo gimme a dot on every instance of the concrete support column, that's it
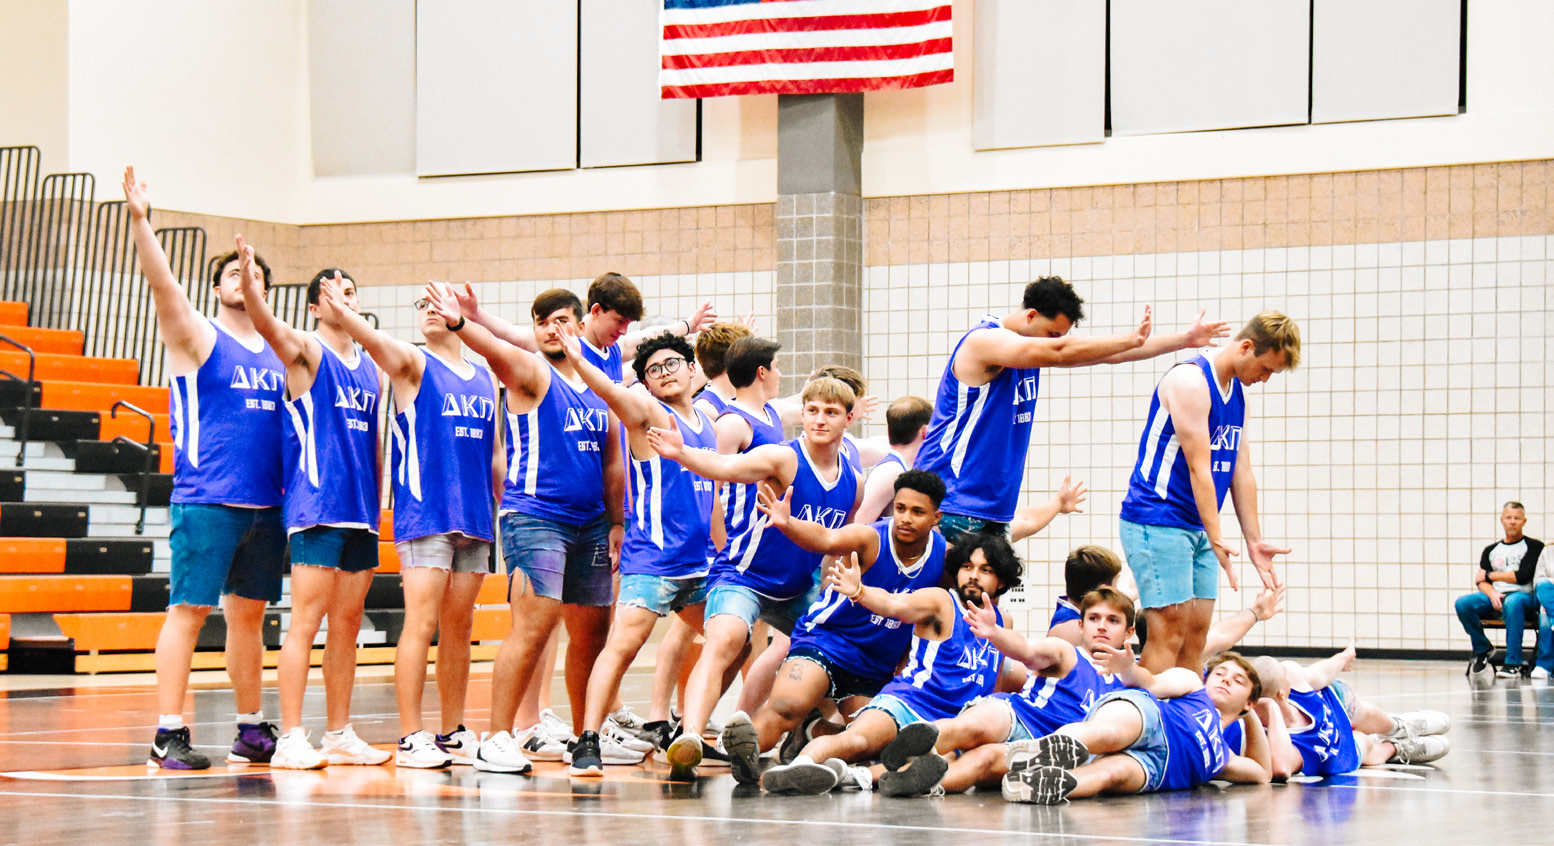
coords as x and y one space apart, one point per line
819 233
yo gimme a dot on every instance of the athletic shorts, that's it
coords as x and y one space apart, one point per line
844 683
346 550
222 549
454 552
748 605
894 708
1346 697
1152 749
567 563
663 595
1171 565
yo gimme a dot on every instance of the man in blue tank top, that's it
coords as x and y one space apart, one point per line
948 665
969 749
334 467
760 574
664 558
981 428
446 472
1319 726
906 421
712 345
228 540
840 650
562 519
1192 452
1165 732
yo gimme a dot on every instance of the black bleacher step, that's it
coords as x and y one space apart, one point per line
14 393
214 635
109 456
390 621
13 486
48 424
387 591
99 557
42 520
39 633
149 593
159 493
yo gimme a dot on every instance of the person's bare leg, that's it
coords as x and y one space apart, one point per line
672 655
1167 633
245 651
1108 774
1200 615
423 588
588 627
632 627
1113 727
983 766
536 692
800 685
761 673
863 739
175 653
345 623
726 635
979 725
456 622
534 619
311 589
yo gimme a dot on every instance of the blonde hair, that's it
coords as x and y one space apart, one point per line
829 389
712 345
1273 331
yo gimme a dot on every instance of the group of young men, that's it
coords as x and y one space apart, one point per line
853 582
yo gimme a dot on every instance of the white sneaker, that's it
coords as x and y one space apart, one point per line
849 777
1539 674
294 752
548 739
1418 750
461 744
420 751
1419 724
499 753
624 736
344 747
713 729
628 720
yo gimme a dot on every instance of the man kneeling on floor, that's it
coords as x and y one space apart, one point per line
947 664
1319 726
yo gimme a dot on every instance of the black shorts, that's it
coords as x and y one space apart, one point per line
844 683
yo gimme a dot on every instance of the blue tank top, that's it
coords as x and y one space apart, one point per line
1160 489
565 432
1064 612
442 454
762 558
332 446
712 398
608 360
857 639
1235 737
739 500
892 457
672 510
979 436
1326 746
1047 703
943 675
851 453
226 421
1195 743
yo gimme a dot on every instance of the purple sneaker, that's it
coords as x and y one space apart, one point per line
255 743
171 751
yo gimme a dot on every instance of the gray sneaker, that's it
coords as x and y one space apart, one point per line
1039 785
913 740
917 778
1053 750
743 747
1418 750
803 776
1419 724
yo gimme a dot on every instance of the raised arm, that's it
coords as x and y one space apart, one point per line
521 337
928 606
517 369
1200 334
1040 655
188 337
994 348
772 461
1225 634
614 490
852 538
635 409
296 349
1033 518
1319 674
700 319
401 362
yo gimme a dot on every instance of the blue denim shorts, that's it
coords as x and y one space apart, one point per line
221 549
346 550
1171 565
662 595
952 526
567 563
1152 749
1018 730
894 708
843 682
747 605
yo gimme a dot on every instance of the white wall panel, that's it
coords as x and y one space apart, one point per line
1182 65
1040 73
624 121
361 75
496 86
1385 59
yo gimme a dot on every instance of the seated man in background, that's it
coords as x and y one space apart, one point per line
1504 592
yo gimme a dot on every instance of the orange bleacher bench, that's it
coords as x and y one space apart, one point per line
71 368
13 314
56 341
133 426
34 594
32 555
95 396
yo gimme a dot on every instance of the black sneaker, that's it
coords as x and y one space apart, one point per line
660 733
171 751
1514 671
1478 665
254 744
743 747
586 760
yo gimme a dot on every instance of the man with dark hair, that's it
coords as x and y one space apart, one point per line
562 521
1087 568
981 428
228 538
906 420
840 650
1503 589
948 665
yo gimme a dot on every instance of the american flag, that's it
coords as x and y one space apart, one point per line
712 48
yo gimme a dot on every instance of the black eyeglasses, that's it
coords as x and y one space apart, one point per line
665 367
422 304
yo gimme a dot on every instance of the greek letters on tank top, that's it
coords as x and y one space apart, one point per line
443 445
1327 744
608 360
332 445
555 455
943 675
739 500
762 558
672 509
979 436
1160 489
1194 740
226 422
857 639
1047 703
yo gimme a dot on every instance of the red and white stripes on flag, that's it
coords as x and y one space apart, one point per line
712 48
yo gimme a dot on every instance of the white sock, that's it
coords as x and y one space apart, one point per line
170 721
337 732
250 719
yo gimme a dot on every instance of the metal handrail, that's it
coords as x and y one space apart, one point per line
145 470
32 369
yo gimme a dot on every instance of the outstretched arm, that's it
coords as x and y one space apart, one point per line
1167 684
519 336
518 370
700 319
188 338
1225 634
635 409
401 362
294 347
992 348
928 605
812 537
772 461
1033 518
1200 334
1039 655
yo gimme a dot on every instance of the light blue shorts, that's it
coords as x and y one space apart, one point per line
662 595
1018 730
1151 750
748 605
1171 565
894 708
